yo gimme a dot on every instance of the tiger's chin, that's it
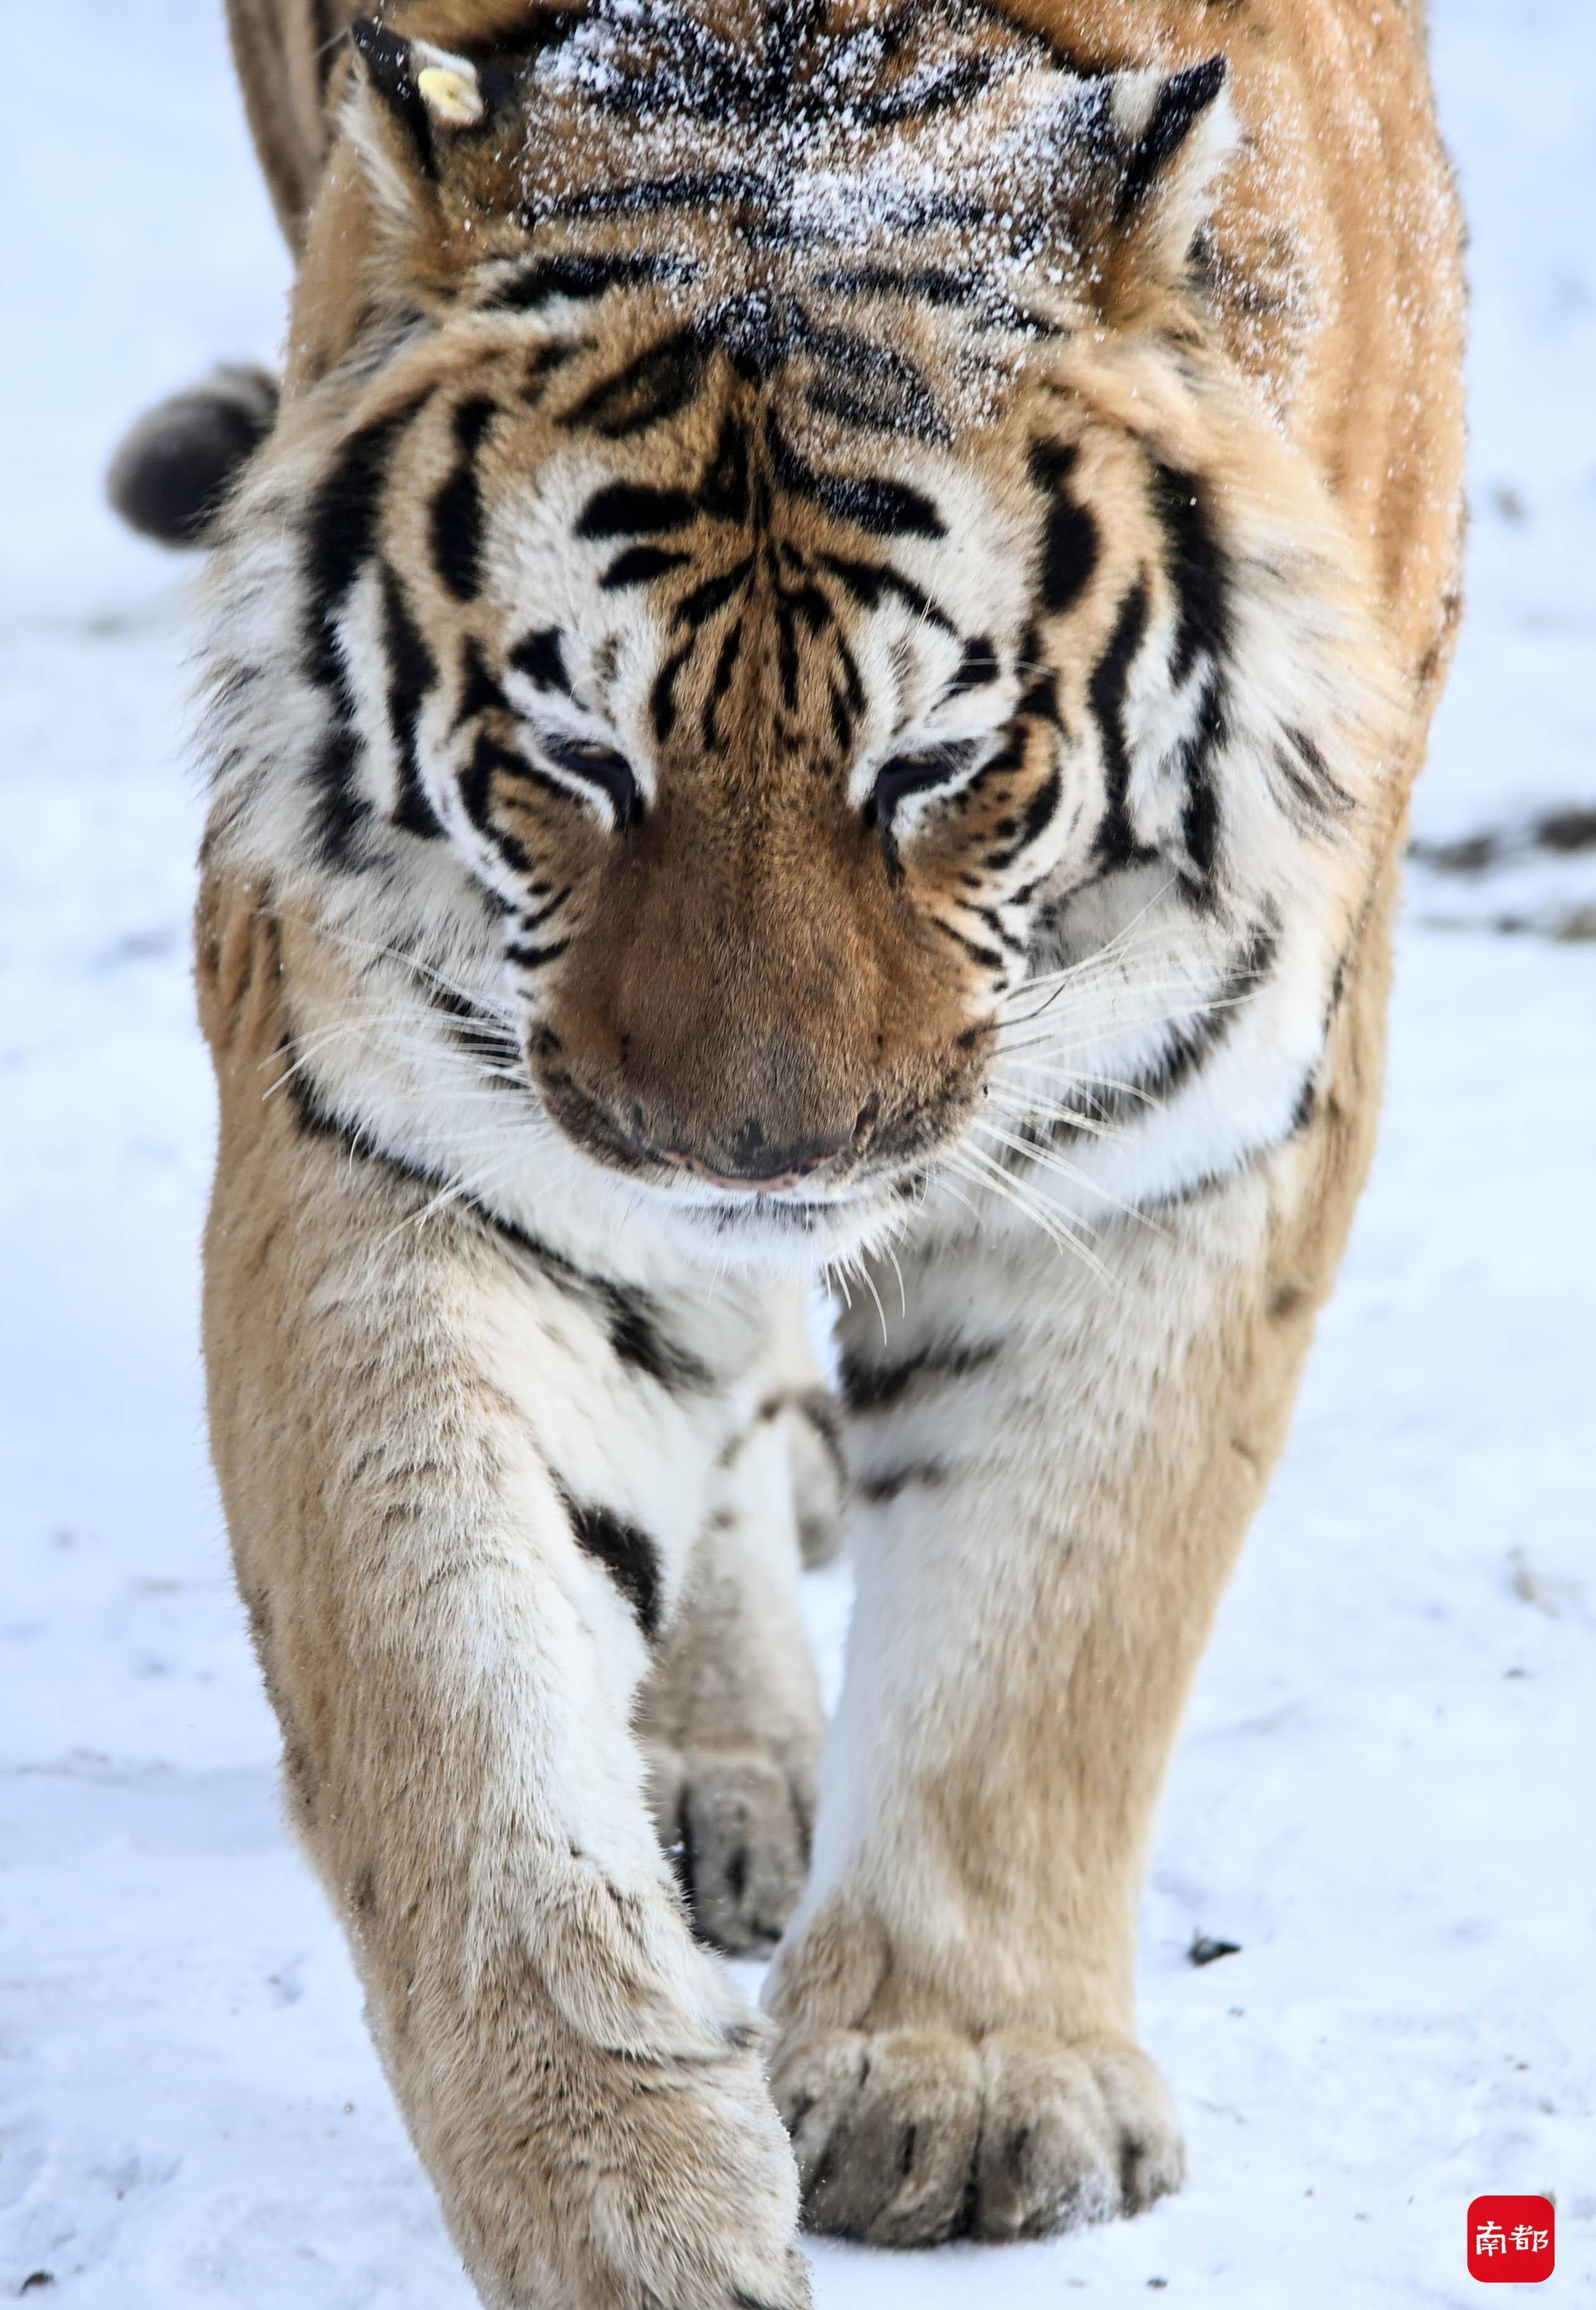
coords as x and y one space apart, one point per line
785 1233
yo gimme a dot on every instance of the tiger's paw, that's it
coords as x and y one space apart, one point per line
908 2137
608 2141
735 1826
680 2193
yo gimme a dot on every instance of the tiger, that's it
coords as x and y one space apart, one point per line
810 683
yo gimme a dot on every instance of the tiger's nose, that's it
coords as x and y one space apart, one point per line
754 1166
747 1160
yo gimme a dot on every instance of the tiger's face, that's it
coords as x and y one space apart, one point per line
736 736
716 555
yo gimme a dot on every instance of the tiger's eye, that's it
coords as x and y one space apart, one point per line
604 768
911 774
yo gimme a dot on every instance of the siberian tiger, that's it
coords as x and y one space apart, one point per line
817 675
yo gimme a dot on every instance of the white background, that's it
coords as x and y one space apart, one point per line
1385 1790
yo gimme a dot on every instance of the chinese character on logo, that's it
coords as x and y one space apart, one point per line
1512 2241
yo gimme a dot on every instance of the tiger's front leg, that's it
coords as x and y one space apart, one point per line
462 1480
1054 1472
731 1715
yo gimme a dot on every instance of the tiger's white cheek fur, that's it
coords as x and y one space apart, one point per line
543 573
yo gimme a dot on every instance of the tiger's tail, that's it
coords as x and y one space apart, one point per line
171 473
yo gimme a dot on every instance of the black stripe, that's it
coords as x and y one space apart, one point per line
878 1491
650 388
1200 818
989 918
1116 842
1040 701
853 684
693 613
884 508
541 659
603 770
1040 812
630 509
724 492
828 398
977 667
869 581
639 565
1070 540
627 1555
932 284
458 509
651 195
959 80
577 277
541 915
805 605
340 533
786 655
341 808
983 957
1181 100
630 1317
488 761
1190 1045
412 671
889 389
904 776
480 690
697 608
482 1040
928 284
639 1338
662 699
546 362
731 650
1196 568
1009 758
535 957
388 67
1309 777
877 1387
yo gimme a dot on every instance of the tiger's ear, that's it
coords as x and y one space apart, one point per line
422 96
1174 131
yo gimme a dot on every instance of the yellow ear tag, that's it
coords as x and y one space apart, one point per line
449 97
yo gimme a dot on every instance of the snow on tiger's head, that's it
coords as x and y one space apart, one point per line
747 495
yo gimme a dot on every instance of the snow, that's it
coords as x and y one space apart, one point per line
1386 1787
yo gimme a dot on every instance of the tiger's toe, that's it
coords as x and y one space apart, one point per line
906 2138
735 1824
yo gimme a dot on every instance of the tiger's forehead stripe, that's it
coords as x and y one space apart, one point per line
797 181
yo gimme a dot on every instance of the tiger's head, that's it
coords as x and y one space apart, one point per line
767 522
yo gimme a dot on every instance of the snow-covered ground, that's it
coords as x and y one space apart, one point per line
1387 1790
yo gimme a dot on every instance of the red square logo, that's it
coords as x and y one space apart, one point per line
1512 2241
